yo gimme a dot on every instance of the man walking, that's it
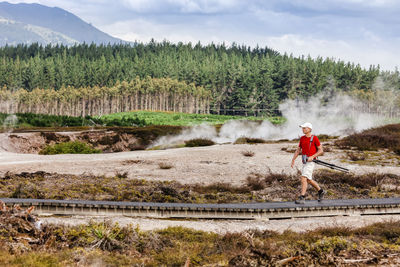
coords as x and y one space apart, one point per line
310 148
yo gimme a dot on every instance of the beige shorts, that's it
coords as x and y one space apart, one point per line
307 170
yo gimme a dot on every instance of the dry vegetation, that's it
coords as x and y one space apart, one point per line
385 137
289 149
199 142
376 146
248 153
356 156
247 140
372 158
257 187
23 243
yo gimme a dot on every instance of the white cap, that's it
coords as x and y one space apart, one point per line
306 124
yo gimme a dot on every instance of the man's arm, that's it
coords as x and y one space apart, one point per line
296 154
319 153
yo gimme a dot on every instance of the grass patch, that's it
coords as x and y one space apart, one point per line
108 244
74 147
124 119
181 119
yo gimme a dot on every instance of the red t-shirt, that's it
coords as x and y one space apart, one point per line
304 144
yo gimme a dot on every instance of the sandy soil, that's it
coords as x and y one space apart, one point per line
224 226
218 163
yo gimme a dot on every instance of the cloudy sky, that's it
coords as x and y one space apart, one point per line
361 31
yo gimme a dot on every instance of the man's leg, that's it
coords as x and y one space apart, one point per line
304 185
302 197
321 193
314 184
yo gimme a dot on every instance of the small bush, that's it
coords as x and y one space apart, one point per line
323 137
75 147
132 161
356 156
387 136
289 149
255 183
121 175
246 140
248 153
165 165
199 142
272 177
359 181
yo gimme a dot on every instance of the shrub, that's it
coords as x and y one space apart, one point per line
246 140
289 149
271 177
360 181
148 134
74 147
356 156
323 137
387 136
255 183
121 175
199 142
248 153
165 165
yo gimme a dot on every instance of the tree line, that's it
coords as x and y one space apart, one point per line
237 77
157 94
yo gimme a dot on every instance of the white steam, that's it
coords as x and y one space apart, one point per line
335 114
10 122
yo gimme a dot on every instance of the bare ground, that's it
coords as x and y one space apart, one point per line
218 163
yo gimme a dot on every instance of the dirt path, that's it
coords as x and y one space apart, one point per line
224 226
218 163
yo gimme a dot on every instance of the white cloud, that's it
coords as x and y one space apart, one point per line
365 53
371 52
361 31
182 6
144 30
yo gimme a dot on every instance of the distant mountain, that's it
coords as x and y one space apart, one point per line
30 23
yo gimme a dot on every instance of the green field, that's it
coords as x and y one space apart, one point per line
145 118
125 119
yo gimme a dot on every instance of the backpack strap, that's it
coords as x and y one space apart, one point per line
309 148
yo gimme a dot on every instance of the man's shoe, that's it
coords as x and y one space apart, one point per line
300 200
321 195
